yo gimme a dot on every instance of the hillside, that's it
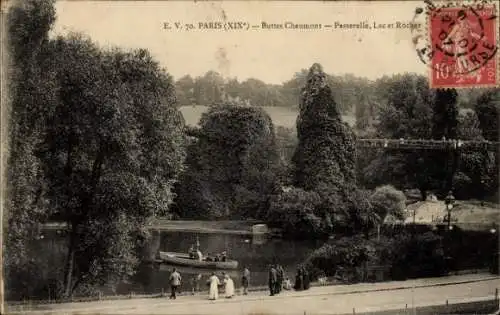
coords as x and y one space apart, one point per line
281 116
469 214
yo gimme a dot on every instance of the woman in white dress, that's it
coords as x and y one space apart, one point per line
229 286
213 292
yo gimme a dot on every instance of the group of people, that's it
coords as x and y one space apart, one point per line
195 253
277 282
213 283
302 279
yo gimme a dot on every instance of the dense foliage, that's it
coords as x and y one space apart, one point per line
325 154
231 168
212 88
388 201
408 256
108 147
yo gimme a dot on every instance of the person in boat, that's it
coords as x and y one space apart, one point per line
214 283
175 282
208 258
273 277
223 256
217 257
245 280
199 255
192 252
228 286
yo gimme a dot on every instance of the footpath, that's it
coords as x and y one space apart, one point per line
336 299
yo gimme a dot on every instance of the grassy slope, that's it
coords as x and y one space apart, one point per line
468 212
281 116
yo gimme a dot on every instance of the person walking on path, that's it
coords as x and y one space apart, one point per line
299 285
273 277
175 282
214 283
228 286
280 278
306 279
245 280
195 283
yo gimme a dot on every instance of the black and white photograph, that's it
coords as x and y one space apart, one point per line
250 157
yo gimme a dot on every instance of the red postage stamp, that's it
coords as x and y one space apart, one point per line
463 50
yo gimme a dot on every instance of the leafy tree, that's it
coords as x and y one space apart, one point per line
31 92
445 114
232 164
209 89
112 149
487 109
407 113
344 253
184 88
293 212
387 200
444 126
326 148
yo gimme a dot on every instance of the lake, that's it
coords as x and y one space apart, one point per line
256 252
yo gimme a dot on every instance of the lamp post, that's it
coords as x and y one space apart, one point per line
494 258
482 192
449 201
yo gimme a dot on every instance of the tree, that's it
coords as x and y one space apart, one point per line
184 88
31 93
231 167
387 200
445 114
444 126
112 149
326 150
488 111
209 89
406 112
293 212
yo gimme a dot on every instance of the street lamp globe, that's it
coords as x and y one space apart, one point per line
450 199
493 230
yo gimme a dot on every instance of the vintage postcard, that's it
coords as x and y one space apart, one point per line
250 157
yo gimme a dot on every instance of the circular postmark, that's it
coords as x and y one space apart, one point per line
460 37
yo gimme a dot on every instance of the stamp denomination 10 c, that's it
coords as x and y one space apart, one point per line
462 45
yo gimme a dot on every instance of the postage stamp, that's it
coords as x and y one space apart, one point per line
462 44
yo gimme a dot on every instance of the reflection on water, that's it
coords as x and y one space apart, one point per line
256 252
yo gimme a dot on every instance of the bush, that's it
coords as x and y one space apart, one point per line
293 212
387 200
407 256
347 253
418 256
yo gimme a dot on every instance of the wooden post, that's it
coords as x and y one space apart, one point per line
353 311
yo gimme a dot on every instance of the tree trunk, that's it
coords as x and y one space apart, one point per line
70 260
423 193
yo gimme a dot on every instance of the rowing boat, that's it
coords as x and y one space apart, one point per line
182 259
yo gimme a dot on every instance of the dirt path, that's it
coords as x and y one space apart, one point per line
317 300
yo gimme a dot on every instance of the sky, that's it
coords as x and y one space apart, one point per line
272 56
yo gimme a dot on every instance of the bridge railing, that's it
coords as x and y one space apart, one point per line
427 144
